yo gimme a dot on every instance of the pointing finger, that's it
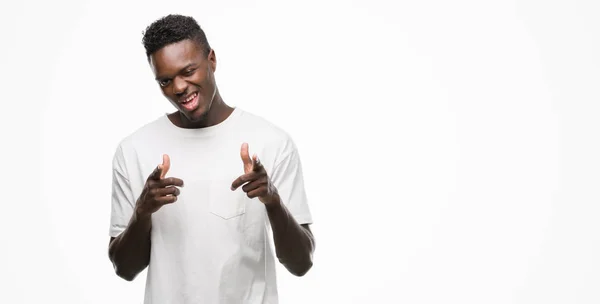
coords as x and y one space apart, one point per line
155 175
256 164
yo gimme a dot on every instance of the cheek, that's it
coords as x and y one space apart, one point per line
198 80
205 83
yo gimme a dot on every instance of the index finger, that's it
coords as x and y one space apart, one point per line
155 175
256 164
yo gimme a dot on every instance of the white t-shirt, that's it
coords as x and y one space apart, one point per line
212 245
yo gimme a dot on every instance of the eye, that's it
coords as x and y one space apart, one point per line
189 72
164 83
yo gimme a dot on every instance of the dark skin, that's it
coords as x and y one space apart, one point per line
182 70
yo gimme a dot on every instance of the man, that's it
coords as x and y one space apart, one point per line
199 220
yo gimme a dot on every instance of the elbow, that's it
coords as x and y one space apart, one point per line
125 275
304 270
121 271
300 269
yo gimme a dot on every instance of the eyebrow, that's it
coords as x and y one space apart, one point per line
182 69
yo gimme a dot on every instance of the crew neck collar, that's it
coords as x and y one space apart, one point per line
201 132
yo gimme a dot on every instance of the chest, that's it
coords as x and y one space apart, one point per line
207 210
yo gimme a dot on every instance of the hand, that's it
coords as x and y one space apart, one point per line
255 180
158 190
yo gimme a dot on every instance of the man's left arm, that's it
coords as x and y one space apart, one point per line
294 243
284 198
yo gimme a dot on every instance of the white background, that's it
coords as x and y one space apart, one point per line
451 148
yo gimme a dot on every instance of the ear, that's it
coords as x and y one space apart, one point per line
212 59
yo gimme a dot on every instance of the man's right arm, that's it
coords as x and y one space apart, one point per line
129 252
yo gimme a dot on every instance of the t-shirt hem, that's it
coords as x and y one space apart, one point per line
303 219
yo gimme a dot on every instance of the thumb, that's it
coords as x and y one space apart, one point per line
246 158
165 166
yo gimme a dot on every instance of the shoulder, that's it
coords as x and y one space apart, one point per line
141 135
272 135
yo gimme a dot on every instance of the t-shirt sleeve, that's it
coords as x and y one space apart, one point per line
122 201
288 178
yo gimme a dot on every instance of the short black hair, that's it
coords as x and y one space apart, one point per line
171 29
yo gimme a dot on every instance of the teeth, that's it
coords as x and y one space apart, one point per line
190 98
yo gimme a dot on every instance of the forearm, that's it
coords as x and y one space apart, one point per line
294 244
130 251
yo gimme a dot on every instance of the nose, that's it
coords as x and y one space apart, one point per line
179 86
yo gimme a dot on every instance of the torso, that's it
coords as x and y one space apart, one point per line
211 246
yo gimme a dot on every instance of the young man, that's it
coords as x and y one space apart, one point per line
199 220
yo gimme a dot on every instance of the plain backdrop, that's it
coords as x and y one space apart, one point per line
451 148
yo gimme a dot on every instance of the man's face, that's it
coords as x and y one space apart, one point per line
186 77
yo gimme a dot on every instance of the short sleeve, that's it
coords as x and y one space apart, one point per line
122 201
288 178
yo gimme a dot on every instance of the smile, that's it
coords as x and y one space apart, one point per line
190 103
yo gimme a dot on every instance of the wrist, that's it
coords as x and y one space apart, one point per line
140 216
141 221
274 204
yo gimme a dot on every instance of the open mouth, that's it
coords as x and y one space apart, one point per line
190 102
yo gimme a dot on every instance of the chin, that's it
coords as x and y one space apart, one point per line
197 115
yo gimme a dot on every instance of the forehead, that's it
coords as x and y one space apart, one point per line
175 56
